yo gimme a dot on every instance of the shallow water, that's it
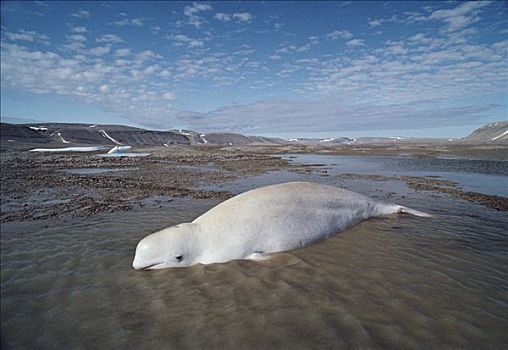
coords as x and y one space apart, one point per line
123 154
89 171
477 175
397 282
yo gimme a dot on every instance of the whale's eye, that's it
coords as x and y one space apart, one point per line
179 258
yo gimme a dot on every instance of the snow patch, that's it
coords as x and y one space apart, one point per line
202 137
93 126
105 134
68 149
293 140
119 149
504 133
327 140
40 128
184 133
61 137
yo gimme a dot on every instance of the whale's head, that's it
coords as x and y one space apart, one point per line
176 246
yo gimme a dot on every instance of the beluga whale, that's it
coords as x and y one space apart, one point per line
259 222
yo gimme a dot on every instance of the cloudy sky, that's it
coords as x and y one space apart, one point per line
269 68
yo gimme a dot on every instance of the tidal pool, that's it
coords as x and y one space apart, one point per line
396 282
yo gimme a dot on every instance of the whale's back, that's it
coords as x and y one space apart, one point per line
282 217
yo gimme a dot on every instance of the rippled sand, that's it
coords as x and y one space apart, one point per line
397 282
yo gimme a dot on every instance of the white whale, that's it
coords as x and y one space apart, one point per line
258 222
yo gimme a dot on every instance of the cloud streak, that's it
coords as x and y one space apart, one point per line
287 116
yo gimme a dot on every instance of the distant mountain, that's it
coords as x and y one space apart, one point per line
86 134
495 132
70 134
21 132
227 139
55 134
330 141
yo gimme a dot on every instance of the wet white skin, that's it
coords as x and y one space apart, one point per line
258 222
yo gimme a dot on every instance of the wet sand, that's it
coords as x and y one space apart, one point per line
68 238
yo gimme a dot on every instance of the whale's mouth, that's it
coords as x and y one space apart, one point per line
148 267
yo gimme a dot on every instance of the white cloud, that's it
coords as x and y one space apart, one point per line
313 40
303 48
109 38
242 17
81 14
76 37
147 55
225 17
24 35
122 52
79 30
355 43
398 50
181 39
74 42
120 85
460 16
151 69
376 22
275 57
191 11
196 7
135 22
340 34
291 49
100 50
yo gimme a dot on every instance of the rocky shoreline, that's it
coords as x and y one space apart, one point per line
37 186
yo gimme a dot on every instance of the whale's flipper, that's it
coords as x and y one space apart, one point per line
407 210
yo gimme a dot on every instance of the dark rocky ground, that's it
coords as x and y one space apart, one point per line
38 186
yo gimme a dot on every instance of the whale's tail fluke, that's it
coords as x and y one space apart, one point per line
387 209
407 210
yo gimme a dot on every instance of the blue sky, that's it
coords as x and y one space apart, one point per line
288 69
